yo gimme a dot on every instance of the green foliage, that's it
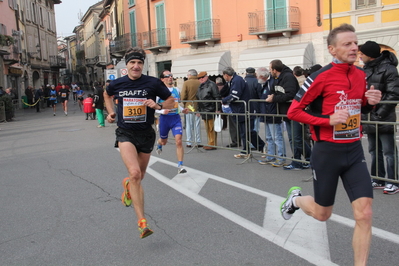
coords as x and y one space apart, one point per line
6 40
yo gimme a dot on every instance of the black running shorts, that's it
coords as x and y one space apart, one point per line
143 140
333 160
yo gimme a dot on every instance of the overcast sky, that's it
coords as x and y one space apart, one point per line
66 15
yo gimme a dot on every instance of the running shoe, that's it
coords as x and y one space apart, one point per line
144 228
391 189
287 206
126 199
377 185
306 166
181 170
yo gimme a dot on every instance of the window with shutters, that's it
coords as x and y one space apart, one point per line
204 17
131 3
276 14
160 20
132 22
365 3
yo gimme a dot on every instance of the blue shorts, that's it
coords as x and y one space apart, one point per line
170 122
333 160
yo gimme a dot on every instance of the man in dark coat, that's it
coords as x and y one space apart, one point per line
239 93
382 73
283 91
208 91
99 104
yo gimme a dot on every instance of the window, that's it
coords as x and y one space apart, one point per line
365 3
132 21
41 17
203 17
33 13
131 3
276 15
160 19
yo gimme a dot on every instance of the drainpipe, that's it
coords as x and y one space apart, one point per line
149 22
318 18
330 13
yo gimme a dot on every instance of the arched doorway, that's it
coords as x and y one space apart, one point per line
36 79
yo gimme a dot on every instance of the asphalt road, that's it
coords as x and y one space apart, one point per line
60 187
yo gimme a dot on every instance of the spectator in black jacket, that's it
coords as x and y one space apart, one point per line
207 92
99 104
273 123
238 93
255 90
381 72
283 91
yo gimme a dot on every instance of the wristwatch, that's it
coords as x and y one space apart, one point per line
160 105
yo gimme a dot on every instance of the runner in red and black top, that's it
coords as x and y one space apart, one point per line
331 101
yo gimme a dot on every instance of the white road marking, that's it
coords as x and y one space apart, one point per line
309 239
310 234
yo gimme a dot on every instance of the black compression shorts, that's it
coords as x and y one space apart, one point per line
143 140
333 160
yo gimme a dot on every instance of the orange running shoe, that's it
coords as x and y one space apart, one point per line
144 228
126 199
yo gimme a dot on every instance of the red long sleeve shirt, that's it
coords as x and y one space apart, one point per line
334 87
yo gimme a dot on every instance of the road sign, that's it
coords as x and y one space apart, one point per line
111 74
123 72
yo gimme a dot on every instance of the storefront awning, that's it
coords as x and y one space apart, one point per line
301 54
213 63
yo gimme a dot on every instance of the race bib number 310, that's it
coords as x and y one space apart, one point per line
134 110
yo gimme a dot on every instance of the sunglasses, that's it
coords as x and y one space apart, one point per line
168 76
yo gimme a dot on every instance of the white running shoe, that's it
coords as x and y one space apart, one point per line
391 189
287 207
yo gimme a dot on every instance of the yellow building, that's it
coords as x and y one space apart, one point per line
375 20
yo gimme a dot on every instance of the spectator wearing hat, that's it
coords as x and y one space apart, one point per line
299 74
193 120
382 73
208 91
255 90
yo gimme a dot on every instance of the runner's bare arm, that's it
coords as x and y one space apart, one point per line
109 104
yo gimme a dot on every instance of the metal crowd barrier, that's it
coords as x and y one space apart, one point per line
223 138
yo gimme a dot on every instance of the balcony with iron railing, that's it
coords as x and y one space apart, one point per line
123 42
279 20
157 40
200 32
57 61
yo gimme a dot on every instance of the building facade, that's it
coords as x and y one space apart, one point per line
209 35
33 58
